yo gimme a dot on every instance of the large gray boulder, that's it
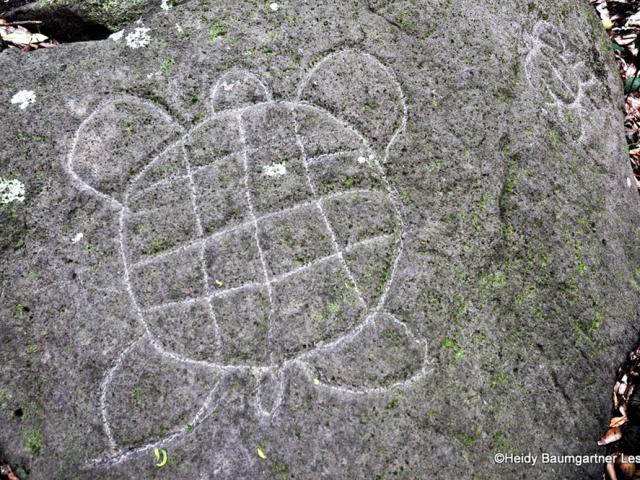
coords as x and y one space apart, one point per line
302 240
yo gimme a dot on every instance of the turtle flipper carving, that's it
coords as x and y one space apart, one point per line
115 142
264 238
140 413
387 355
361 91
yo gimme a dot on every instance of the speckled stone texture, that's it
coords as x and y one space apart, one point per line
292 240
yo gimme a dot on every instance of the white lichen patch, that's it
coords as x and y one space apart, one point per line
274 170
139 38
117 36
79 236
24 98
362 160
179 28
274 6
11 191
165 5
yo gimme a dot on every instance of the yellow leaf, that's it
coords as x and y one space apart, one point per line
316 381
161 456
261 453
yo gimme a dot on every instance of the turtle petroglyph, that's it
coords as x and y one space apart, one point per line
263 239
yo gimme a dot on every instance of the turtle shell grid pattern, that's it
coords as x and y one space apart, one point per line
234 264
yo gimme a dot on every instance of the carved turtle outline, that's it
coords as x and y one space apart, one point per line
210 404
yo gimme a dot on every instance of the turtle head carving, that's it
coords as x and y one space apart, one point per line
263 240
238 89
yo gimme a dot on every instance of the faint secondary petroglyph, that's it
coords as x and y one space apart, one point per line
551 68
276 271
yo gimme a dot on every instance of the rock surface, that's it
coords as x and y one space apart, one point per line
283 240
